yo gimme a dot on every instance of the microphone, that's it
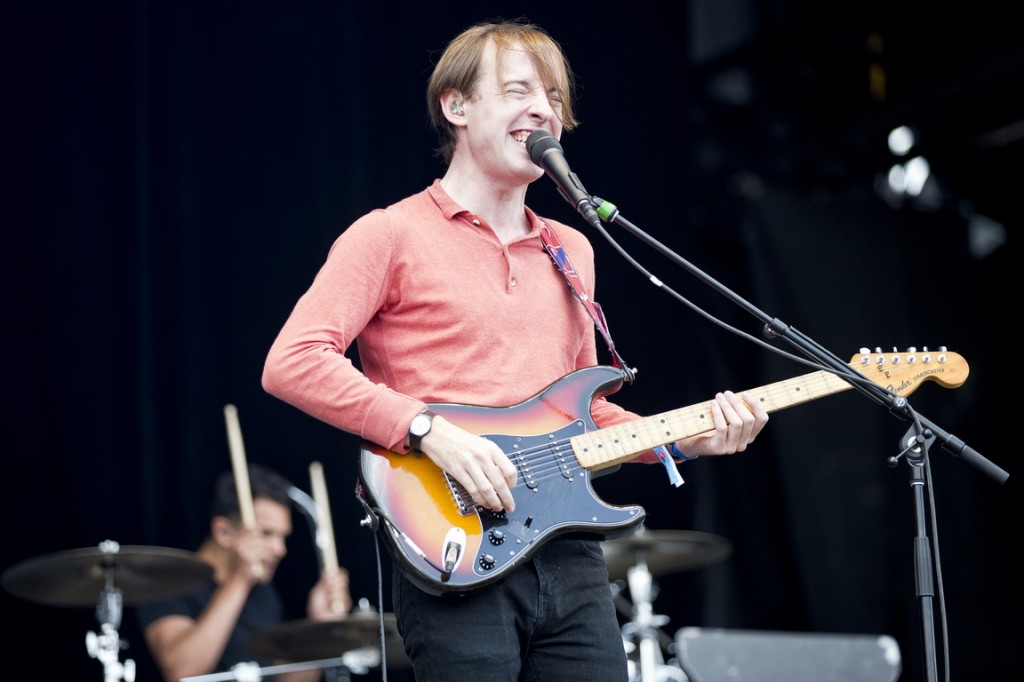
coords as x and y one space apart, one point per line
546 152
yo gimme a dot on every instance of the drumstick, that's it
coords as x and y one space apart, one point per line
324 527
241 470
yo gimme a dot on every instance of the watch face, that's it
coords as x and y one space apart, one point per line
420 425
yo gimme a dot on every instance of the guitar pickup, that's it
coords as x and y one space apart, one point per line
565 459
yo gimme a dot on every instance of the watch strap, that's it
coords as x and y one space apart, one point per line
414 438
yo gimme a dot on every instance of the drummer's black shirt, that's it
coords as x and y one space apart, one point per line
263 610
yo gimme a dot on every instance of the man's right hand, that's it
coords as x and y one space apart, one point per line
476 463
252 558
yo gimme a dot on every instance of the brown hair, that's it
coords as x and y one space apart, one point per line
459 63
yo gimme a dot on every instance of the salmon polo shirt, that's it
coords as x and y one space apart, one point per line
440 311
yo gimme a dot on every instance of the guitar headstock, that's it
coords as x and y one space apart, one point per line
902 372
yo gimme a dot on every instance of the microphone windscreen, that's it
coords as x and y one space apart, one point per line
539 143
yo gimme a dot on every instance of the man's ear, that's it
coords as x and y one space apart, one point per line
222 530
452 105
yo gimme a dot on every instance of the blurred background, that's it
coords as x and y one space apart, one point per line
178 170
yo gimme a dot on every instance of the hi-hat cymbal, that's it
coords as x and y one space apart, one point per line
77 577
307 640
664 551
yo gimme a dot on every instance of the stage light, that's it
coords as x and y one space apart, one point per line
902 140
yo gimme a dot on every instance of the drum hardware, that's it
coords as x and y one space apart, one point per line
357 636
643 631
252 672
638 558
106 646
108 577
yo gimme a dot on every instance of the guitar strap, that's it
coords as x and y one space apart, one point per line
565 266
557 252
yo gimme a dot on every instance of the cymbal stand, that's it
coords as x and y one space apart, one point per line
252 672
107 645
644 626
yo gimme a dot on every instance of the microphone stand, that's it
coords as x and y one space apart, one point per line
916 452
921 435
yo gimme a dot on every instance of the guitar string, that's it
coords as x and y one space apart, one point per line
810 386
540 470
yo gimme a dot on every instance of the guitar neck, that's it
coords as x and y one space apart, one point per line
607 447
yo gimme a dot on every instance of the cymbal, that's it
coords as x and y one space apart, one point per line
307 640
77 577
664 551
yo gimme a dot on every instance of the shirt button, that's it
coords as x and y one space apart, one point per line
476 222
513 282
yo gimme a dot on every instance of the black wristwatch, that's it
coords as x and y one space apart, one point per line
419 427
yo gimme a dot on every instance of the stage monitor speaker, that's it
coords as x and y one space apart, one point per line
720 655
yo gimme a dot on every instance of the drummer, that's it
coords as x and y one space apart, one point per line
207 631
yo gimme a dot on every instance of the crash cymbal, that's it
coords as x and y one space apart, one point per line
307 640
77 577
664 551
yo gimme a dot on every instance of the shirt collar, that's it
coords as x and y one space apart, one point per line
444 202
449 209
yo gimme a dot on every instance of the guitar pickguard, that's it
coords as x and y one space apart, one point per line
553 495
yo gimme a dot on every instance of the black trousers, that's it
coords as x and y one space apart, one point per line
550 620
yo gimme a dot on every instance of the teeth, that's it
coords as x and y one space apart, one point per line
520 137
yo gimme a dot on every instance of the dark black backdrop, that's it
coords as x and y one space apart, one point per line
177 172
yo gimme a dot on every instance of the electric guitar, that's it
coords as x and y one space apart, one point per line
445 543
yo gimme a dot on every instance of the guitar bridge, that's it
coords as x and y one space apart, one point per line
463 500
